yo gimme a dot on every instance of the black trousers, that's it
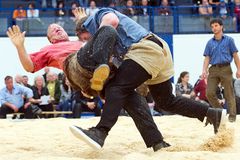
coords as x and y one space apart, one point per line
120 93
98 49
4 110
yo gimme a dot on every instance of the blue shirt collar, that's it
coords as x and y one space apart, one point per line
223 36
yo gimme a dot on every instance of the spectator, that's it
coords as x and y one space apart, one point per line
200 90
237 87
66 95
144 10
19 13
32 12
130 10
164 8
53 86
85 103
40 90
66 90
183 88
46 71
205 8
92 9
25 81
18 79
74 5
220 95
237 94
12 101
60 77
237 15
60 11
222 9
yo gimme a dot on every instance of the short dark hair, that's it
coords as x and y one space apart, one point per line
8 77
79 27
216 20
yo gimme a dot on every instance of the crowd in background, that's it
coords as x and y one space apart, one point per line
129 7
198 90
49 92
61 97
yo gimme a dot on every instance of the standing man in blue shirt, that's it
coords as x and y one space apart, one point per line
219 53
12 100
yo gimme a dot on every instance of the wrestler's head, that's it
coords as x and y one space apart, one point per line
81 32
56 33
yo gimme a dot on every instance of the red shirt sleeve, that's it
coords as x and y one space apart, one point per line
40 59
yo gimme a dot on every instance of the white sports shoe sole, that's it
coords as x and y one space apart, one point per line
82 136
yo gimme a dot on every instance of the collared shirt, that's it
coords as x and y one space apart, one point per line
220 51
129 31
53 55
16 97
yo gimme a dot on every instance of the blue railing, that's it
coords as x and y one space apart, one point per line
183 19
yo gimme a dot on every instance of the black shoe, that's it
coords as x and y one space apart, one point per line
92 136
217 117
160 145
232 118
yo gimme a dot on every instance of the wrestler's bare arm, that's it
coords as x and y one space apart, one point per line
17 37
110 19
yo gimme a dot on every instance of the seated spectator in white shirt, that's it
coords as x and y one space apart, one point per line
32 12
92 8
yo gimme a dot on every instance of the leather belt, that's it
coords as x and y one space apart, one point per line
155 40
221 65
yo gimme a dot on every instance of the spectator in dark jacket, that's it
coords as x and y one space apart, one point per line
40 90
